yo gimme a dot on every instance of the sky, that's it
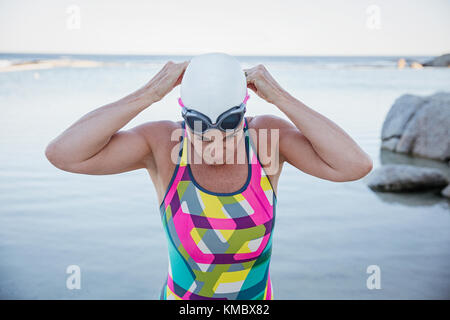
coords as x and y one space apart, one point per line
242 27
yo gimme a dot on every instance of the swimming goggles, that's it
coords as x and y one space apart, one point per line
228 120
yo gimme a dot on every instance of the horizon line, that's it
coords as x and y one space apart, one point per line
237 55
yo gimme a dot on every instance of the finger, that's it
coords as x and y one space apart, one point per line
250 77
249 70
164 69
178 68
182 66
180 78
183 69
252 87
156 78
251 80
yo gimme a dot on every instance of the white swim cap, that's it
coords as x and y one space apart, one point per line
213 83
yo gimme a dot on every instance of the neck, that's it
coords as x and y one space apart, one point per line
232 152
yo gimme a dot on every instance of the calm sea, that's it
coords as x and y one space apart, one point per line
326 235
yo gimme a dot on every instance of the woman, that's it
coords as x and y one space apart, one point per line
216 185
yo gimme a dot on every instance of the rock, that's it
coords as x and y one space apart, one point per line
446 191
416 65
419 126
391 143
441 61
427 133
400 178
398 116
401 63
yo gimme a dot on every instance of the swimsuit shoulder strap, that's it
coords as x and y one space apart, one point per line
182 159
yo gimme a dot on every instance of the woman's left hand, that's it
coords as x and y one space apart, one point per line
264 85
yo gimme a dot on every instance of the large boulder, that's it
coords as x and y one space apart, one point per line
441 61
403 178
446 191
419 126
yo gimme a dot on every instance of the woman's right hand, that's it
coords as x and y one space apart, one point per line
166 79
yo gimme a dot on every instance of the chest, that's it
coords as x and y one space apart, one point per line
226 179
221 228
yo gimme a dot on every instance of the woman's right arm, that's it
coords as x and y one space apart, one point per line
94 144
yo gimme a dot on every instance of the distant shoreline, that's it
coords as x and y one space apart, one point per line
10 62
47 64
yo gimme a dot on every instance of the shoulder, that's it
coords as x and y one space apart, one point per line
161 133
268 121
160 127
279 133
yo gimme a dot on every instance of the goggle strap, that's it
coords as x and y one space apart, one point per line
180 102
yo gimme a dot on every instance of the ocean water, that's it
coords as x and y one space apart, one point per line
326 235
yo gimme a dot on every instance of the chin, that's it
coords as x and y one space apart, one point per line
217 162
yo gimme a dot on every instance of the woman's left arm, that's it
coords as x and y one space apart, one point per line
315 136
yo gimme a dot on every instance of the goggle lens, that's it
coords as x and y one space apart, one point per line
196 123
231 122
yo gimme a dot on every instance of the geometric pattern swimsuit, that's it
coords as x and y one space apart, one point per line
219 244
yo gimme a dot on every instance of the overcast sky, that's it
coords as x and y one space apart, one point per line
242 27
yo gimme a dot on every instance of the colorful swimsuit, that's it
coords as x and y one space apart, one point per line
219 244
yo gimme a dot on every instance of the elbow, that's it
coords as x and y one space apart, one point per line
51 154
363 168
356 170
366 166
54 157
